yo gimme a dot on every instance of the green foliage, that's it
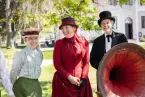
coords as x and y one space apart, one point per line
50 19
21 1
121 2
142 2
2 32
81 10
28 13
88 23
2 20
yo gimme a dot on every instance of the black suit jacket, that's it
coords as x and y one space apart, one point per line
99 49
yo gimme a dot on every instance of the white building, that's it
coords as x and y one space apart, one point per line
130 18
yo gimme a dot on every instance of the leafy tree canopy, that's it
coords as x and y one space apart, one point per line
82 10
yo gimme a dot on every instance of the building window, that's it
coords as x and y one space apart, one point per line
143 21
112 2
115 24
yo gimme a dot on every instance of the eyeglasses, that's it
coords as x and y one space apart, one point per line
32 38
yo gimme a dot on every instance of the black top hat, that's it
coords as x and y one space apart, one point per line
105 15
68 21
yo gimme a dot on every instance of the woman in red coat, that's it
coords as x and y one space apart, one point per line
71 61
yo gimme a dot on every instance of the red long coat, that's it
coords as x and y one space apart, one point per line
71 56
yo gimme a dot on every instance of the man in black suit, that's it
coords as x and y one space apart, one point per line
106 41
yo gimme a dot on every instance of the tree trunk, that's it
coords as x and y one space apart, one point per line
9 35
8 25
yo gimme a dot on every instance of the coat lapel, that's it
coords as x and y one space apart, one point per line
114 40
103 43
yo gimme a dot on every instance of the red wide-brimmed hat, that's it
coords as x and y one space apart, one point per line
30 31
68 21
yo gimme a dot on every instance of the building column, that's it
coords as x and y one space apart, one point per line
136 20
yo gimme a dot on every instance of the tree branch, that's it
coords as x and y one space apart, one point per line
80 4
97 3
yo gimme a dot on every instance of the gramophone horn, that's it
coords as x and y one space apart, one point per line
121 72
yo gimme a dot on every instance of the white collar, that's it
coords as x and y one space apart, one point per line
107 34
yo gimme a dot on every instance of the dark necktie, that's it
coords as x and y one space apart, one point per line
108 37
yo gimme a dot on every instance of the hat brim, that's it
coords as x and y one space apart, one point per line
100 20
68 24
29 35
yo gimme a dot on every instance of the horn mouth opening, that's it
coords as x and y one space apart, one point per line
123 74
116 74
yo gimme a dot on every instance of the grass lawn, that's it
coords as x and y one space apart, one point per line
46 80
143 45
48 54
9 53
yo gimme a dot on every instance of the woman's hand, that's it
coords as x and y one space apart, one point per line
74 80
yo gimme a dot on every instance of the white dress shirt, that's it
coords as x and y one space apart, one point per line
4 75
108 44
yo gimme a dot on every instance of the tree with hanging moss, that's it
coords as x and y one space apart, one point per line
23 14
